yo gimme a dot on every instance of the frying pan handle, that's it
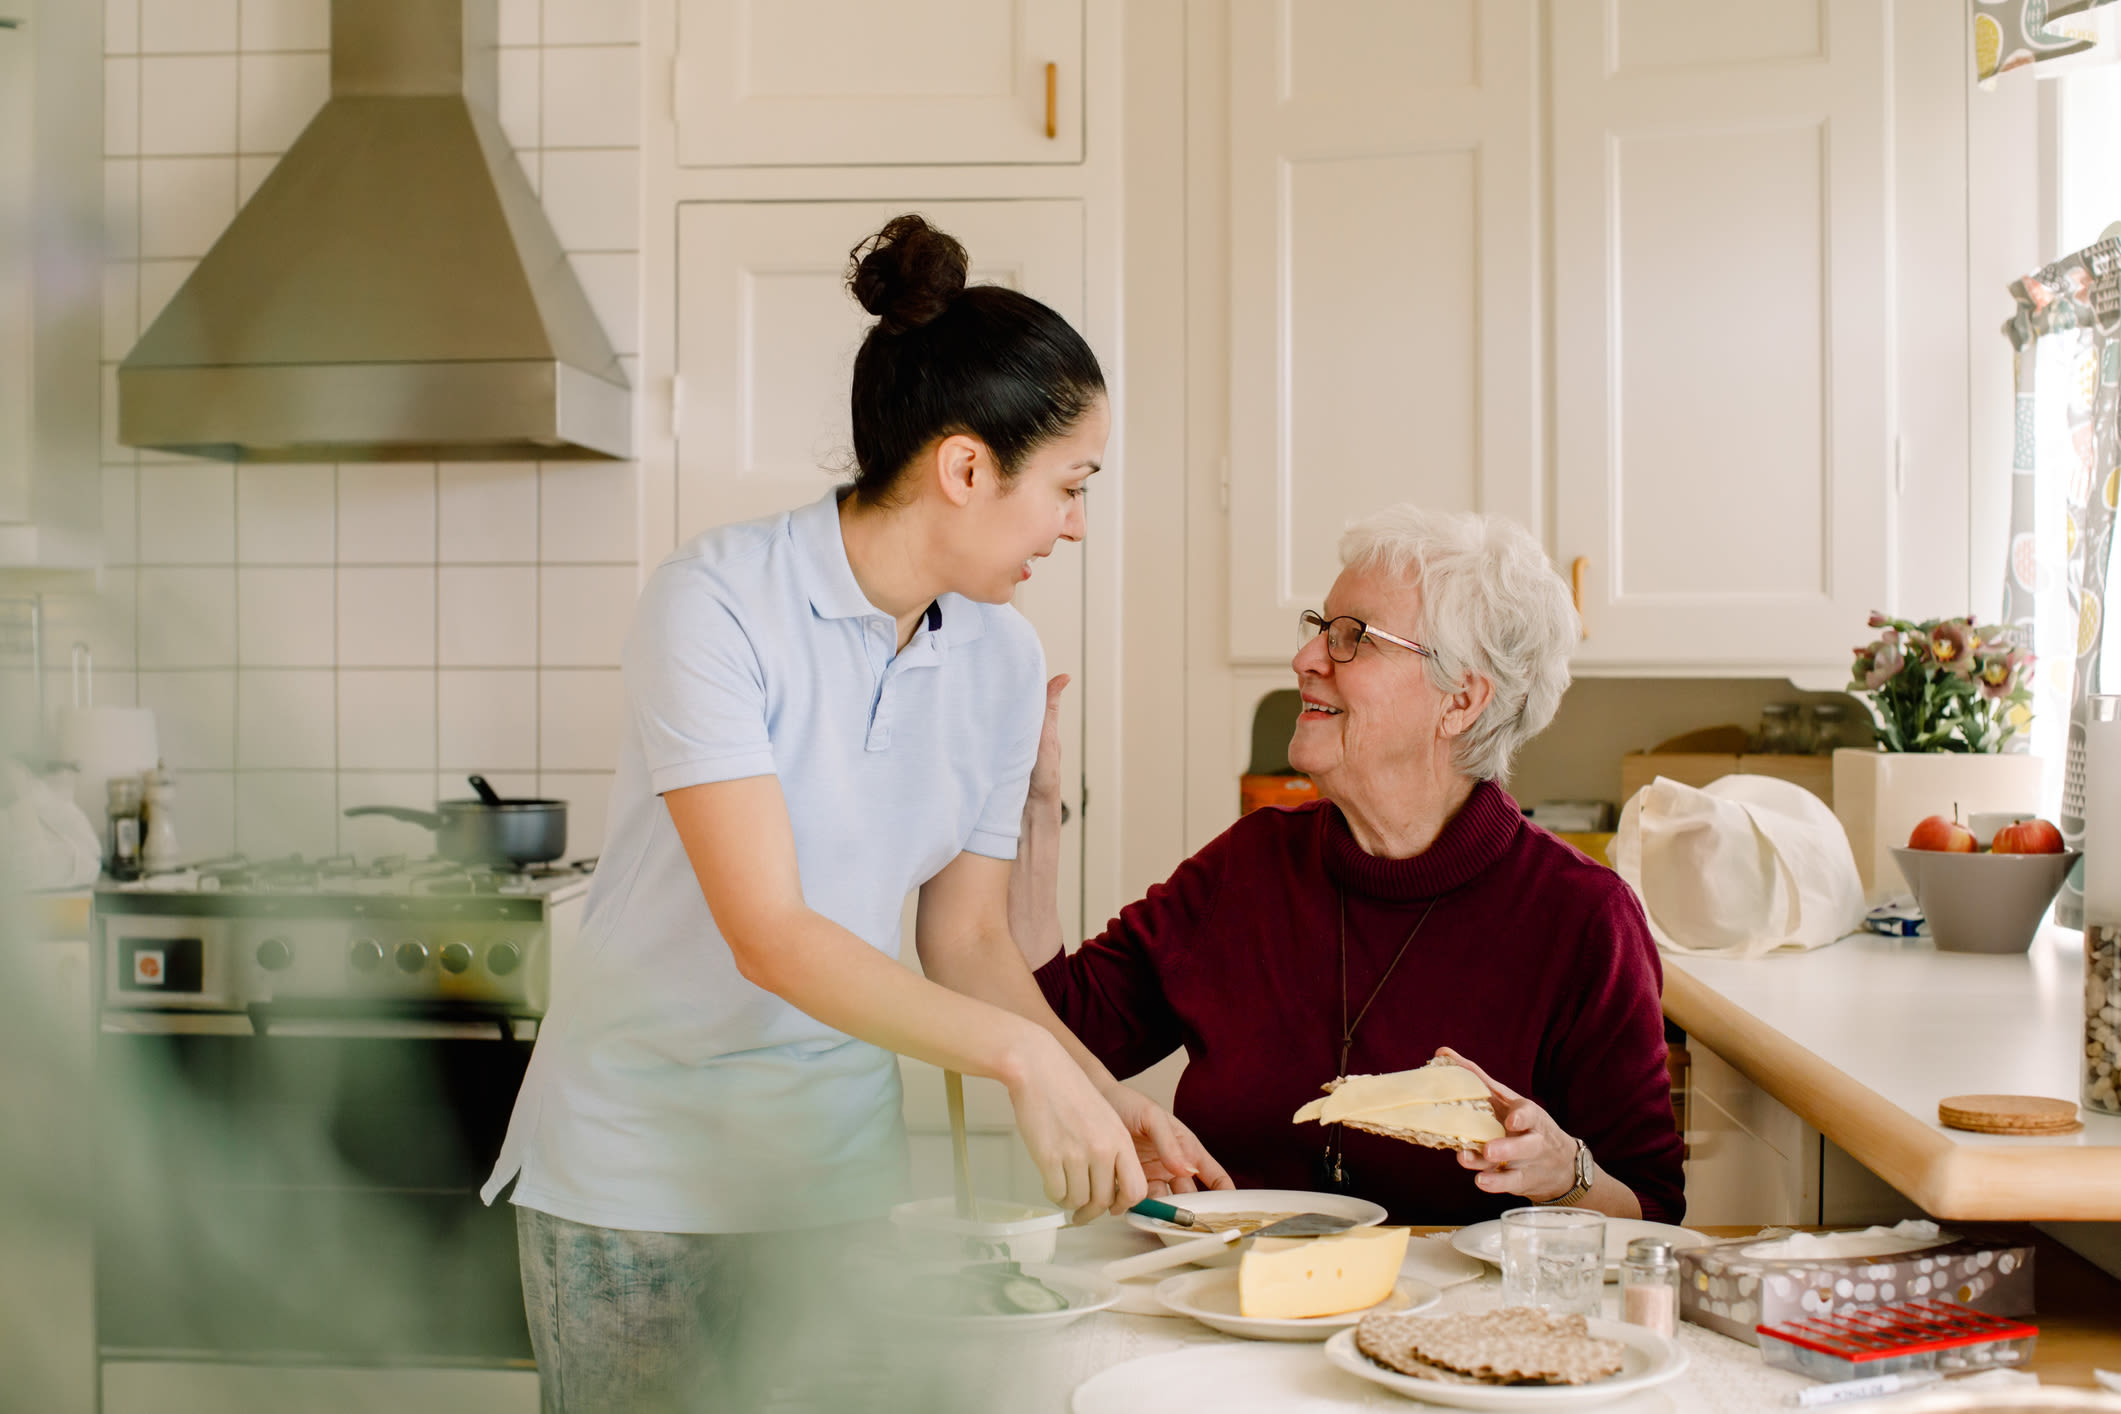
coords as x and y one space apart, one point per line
424 818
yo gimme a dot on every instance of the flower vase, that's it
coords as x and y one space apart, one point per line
1880 796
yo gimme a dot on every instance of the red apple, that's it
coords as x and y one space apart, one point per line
1938 833
2028 837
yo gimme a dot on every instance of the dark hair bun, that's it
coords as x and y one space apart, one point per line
907 273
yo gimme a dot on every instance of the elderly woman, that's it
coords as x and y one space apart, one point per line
1409 913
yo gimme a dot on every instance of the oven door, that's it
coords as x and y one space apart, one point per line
305 1194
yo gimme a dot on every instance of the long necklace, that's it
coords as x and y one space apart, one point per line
1333 1168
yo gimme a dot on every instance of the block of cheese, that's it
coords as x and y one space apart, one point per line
1452 1125
1439 1082
1296 1277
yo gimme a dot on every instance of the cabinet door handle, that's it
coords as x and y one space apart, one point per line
1052 100
1577 569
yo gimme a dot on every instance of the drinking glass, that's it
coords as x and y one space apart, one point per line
1554 1258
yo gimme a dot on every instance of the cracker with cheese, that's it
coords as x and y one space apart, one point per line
1439 1105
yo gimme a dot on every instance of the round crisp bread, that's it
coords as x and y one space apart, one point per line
2008 1114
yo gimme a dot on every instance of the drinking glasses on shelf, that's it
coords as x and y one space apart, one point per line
1553 1258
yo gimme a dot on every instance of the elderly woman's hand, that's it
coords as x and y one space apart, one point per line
1045 786
1172 1159
1534 1159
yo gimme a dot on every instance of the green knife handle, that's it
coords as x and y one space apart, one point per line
1163 1212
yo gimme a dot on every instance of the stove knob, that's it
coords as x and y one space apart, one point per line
411 955
503 958
366 955
274 954
456 956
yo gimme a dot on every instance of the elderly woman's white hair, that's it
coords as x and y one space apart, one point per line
1491 604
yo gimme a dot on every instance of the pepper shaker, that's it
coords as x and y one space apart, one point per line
1649 1286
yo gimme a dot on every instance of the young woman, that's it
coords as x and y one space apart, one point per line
827 709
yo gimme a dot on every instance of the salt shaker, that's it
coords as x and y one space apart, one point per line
1649 1286
158 834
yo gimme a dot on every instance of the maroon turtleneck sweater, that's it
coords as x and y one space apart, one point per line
1535 963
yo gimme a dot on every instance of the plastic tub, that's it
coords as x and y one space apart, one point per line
1015 1232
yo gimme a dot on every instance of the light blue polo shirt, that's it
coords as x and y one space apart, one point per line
666 1093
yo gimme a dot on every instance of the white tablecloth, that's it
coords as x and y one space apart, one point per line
1037 1374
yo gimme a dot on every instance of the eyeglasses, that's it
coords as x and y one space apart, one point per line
1346 632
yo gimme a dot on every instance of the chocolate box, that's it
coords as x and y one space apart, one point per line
1726 1290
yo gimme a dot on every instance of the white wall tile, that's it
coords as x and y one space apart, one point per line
286 515
593 199
187 618
251 173
489 719
519 21
583 614
185 204
279 813
121 308
489 618
280 94
285 719
206 814
589 512
115 687
121 26
195 718
102 619
113 450
286 24
588 797
580 715
286 618
489 512
188 106
120 515
532 165
592 21
612 282
387 618
387 513
387 719
592 96
509 785
121 208
368 836
188 26
159 280
519 97
121 107
188 514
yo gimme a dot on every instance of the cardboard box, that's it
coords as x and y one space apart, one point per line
1698 768
1722 1288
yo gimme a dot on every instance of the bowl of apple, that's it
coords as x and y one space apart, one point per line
1984 900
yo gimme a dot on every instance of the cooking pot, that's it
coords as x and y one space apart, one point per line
489 830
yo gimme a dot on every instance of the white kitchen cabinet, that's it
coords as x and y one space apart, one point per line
852 82
766 338
1722 188
17 273
1384 281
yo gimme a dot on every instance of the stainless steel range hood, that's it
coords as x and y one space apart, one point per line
393 292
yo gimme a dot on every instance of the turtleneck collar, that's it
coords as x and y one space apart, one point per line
1471 840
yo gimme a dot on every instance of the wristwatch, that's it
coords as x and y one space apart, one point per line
1586 1175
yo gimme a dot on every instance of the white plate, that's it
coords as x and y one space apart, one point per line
1230 1379
1650 1361
1484 1240
1210 1297
1254 1200
1086 1292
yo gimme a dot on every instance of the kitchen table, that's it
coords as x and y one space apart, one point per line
1038 1374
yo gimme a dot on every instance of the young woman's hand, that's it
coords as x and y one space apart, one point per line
1084 1154
1172 1159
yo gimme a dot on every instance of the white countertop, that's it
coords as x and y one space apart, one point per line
1862 1039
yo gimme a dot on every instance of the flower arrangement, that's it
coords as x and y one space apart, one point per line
1943 685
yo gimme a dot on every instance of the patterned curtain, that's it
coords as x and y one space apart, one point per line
2066 334
2009 34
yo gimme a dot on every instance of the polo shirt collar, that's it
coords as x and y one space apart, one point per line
828 579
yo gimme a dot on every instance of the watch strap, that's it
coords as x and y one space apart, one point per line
1586 1175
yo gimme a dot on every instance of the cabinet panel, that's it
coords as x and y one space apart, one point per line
1384 265
17 280
766 338
823 82
1721 320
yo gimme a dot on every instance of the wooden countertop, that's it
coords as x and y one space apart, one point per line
1861 1039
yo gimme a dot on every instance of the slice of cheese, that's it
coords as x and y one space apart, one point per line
1431 1084
1294 1277
1311 1111
1451 1120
